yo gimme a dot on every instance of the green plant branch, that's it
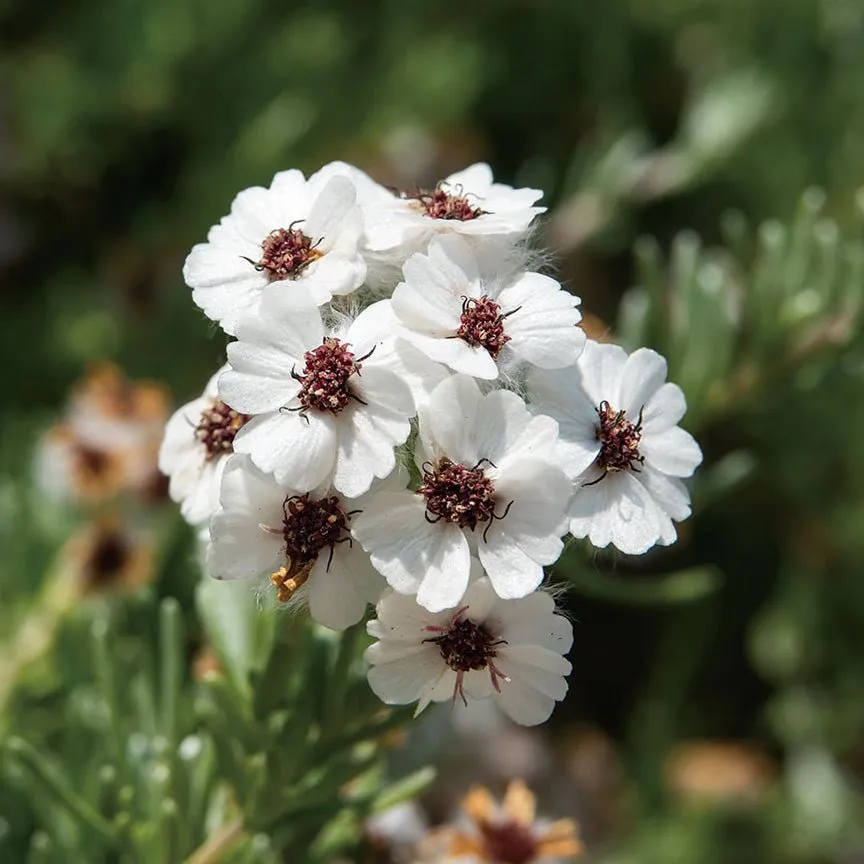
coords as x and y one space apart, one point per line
225 839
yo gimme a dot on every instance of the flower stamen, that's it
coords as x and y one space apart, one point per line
325 378
482 324
286 253
456 493
217 428
509 842
440 203
309 525
466 646
619 441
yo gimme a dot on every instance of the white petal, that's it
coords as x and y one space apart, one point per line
476 178
330 208
542 669
523 704
246 489
601 367
536 438
338 594
225 285
333 275
665 409
300 451
368 433
532 621
289 321
203 499
669 492
672 451
407 679
467 426
406 549
239 548
512 571
617 510
260 379
644 374
542 322
455 353
446 580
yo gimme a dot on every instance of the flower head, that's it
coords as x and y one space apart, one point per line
509 649
456 309
198 440
326 404
468 203
620 441
107 442
301 540
506 833
488 485
299 236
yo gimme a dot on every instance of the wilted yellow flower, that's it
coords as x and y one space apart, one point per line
509 833
108 440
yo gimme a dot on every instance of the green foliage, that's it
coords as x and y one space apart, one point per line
702 161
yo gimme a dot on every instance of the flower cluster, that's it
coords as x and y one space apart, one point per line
410 418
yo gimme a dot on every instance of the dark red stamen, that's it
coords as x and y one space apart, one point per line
218 427
312 524
286 252
619 440
457 494
443 204
324 382
466 646
482 324
509 842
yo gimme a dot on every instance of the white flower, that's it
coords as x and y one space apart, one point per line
510 649
487 483
468 202
326 405
198 440
457 310
620 441
301 540
298 236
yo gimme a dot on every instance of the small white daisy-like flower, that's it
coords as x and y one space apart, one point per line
488 483
299 235
458 311
510 649
620 441
302 540
468 203
199 439
327 405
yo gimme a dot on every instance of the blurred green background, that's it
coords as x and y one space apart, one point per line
702 162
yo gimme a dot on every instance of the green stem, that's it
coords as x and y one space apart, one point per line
35 635
215 847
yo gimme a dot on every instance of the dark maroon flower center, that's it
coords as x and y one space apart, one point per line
509 843
619 439
442 204
482 324
464 645
457 494
285 253
324 382
217 428
312 524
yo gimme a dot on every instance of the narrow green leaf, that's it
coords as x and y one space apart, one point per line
59 788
